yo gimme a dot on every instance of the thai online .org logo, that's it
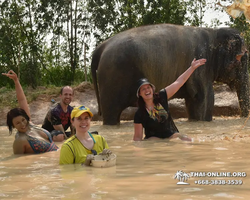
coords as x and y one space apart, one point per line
210 178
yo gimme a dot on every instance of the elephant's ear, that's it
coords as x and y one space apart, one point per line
237 46
229 42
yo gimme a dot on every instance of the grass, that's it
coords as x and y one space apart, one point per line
8 96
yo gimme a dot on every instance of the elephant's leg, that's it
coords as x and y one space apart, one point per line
200 106
111 114
113 101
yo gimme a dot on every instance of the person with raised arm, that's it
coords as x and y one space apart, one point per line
29 138
153 114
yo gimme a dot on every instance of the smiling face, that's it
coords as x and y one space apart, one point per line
82 123
146 92
67 95
20 123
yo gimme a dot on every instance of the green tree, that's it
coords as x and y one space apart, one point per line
165 11
48 41
69 22
243 26
196 9
18 32
110 17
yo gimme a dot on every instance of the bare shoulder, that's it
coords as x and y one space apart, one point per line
19 145
20 138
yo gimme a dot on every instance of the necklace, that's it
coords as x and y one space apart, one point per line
150 107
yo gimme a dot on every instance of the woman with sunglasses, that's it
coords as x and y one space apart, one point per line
29 138
153 114
82 147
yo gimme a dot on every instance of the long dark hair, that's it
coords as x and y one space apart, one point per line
156 100
15 112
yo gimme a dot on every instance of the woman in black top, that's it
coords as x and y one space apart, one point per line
153 114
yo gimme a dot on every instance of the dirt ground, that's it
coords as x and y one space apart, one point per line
226 104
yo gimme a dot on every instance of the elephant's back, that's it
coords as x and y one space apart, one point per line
155 47
149 44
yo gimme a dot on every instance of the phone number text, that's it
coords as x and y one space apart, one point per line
219 182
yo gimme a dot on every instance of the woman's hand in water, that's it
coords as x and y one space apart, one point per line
89 158
106 152
11 74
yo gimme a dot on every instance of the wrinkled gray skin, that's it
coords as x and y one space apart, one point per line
161 53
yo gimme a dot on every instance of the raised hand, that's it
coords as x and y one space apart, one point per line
22 101
11 74
197 63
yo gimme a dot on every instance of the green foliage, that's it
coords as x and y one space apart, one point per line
60 76
116 16
164 11
8 95
196 9
80 76
243 26
47 42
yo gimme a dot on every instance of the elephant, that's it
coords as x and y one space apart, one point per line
161 53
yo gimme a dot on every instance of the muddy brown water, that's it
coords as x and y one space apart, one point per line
144 170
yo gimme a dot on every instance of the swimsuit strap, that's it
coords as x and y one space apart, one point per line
40 146
43 130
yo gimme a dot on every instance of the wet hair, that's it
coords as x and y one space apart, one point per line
15 112
61 91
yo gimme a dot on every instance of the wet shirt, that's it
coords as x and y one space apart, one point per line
57 116
158 122
73 151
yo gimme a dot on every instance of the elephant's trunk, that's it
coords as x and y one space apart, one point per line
242 86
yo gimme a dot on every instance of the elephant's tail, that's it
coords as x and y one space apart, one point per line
94 67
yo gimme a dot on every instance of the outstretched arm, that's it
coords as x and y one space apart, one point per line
22 101
175 86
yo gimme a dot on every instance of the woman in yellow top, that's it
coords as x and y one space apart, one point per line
82 147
